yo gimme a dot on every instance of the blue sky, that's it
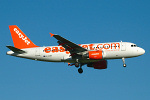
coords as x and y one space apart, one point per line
81 21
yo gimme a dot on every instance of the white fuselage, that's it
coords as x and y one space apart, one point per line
115 50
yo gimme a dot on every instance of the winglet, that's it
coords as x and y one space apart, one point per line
51 34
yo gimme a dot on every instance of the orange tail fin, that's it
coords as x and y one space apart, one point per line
20 40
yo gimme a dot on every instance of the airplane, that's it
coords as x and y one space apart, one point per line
94 55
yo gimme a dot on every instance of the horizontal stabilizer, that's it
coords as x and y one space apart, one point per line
16 50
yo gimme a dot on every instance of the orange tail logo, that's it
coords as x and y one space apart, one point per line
20 40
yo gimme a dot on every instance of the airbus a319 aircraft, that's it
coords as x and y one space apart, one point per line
93 55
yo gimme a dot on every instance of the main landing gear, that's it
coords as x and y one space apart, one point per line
123 59
80 70
77 64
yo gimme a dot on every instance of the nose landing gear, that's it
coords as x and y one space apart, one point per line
123 59
124 65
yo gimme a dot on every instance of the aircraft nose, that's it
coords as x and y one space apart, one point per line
141 51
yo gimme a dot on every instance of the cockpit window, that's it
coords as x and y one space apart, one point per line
133 45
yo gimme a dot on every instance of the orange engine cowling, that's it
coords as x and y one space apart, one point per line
95 54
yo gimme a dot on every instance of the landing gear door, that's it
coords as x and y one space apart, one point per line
123 46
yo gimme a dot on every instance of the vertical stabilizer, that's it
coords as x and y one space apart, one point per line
20 40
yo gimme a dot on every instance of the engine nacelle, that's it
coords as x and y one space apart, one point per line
98 65
94 55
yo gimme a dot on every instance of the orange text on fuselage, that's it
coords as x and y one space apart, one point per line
106 46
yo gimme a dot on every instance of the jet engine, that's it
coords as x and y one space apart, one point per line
93 55
98 65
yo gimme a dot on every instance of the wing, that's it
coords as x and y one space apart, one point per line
68 45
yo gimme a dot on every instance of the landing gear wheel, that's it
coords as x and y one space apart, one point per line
123 59
80 70
77 64
124 65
